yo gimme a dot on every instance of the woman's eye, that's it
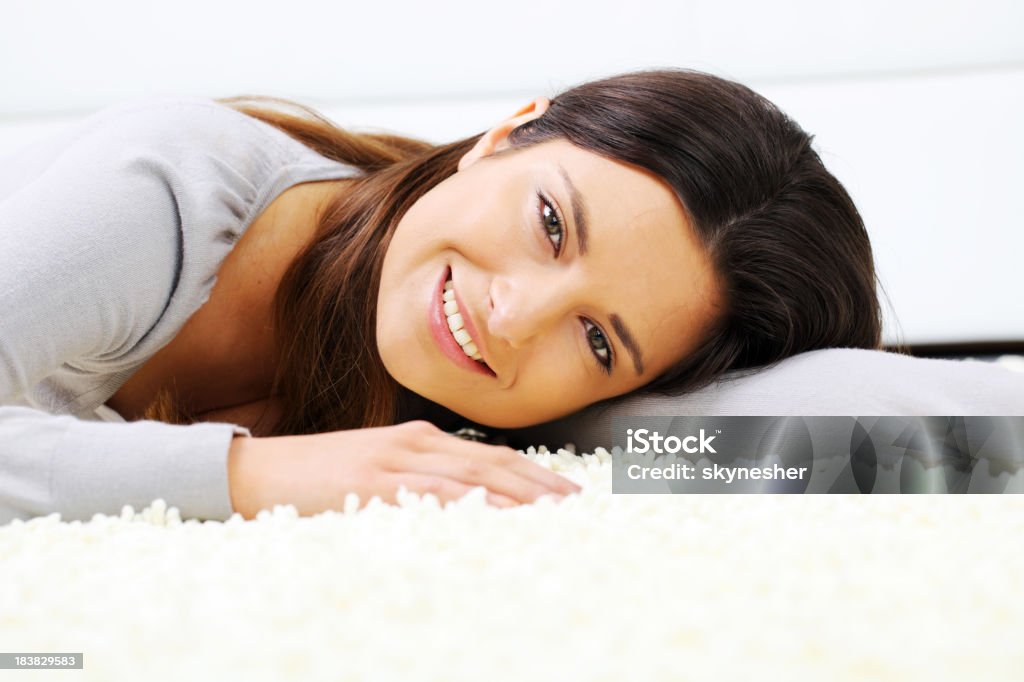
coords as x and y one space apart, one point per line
551 223
599 345
553 227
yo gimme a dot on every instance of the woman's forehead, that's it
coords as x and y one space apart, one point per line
616 201
608 186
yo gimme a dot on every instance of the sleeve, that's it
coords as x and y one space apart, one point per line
90 254
58 463
90 251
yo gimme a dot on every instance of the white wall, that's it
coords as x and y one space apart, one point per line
916 106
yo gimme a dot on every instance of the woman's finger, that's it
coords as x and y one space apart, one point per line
511 459
428 438
472 470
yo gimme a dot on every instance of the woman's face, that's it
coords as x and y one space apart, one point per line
576 278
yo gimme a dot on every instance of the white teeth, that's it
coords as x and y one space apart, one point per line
457 325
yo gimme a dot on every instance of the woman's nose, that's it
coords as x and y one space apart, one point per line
523 307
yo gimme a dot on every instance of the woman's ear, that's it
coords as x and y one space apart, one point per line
496 138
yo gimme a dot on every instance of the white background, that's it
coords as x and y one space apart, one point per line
915 106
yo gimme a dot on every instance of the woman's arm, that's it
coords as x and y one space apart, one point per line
92 247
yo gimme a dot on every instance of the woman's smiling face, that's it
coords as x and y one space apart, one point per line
577 278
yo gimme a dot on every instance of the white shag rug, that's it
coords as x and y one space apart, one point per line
595 587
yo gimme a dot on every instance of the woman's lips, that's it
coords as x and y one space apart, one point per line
470 327
438 323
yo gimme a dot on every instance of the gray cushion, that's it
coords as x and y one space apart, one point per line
840 382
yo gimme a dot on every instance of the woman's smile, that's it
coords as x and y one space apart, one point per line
451 325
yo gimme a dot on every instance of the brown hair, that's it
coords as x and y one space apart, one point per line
790 249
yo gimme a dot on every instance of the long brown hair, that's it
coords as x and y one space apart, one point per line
789 247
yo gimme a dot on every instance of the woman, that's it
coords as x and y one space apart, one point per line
645 232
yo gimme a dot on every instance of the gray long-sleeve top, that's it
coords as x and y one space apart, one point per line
111 235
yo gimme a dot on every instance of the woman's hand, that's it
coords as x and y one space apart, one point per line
315 472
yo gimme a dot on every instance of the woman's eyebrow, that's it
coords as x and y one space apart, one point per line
579 211
629 342
579 217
